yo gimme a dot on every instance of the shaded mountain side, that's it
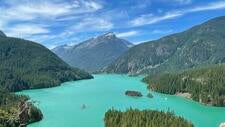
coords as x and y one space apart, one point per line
95 53
199 46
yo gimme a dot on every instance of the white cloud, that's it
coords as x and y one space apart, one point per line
151 19
26 30
25 11
90 24
210 6
147 19
55 39
44 9
2 24
176 2
183 1
15 13
92 5
142 41
48 9
52 46
127 34
28 19
161 31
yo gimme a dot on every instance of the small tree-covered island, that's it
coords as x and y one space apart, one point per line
133 93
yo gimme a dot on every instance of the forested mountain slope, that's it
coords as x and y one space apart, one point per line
27 65
199 46
206 85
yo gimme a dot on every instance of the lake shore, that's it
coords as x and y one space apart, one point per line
73 95
185 95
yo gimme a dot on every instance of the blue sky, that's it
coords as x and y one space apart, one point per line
57 22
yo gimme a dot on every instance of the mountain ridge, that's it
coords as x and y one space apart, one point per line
94 53
198 46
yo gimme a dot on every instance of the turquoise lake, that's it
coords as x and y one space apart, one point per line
62 106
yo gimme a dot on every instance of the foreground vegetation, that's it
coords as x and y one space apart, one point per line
9 110
145 118
206 85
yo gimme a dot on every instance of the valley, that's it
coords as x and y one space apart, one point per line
95 63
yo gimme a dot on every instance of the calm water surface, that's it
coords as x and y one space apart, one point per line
62 106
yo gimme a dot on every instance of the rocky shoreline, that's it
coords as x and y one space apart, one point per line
185 95
222 125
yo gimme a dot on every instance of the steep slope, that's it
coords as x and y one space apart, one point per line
27 65
95 53
2 34
206 85
198 46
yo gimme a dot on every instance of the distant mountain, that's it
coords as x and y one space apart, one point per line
2 34
199 46
27 65
95 53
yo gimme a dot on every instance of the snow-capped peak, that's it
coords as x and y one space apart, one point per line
109 34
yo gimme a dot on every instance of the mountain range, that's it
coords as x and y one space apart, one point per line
198 46
29 65
95 53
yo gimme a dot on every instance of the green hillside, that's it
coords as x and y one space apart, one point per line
206 85
28 65
199 46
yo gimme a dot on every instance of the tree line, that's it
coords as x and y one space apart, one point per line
206 85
